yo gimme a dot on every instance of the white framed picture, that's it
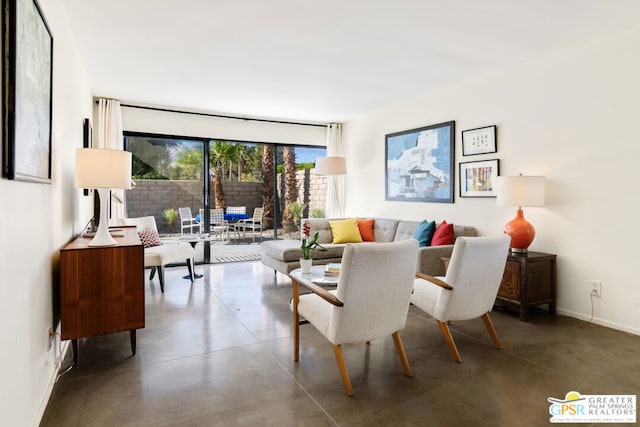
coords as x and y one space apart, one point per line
479 141
478 179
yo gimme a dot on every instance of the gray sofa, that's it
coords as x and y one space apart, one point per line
284 255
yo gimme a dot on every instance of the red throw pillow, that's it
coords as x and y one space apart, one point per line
366 230
443 235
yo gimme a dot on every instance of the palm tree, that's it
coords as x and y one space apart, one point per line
268 174
290 188
219 157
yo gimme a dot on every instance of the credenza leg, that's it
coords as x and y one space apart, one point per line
74 347
132 336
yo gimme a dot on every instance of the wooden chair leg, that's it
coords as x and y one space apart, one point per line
337 350
161 277
446 333
153 273
492 331
296 321
403 355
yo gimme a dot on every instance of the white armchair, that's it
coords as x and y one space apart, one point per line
370 302
169 251
469 289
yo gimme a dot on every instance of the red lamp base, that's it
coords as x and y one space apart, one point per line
521 232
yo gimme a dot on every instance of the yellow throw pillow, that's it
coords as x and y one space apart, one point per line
345 231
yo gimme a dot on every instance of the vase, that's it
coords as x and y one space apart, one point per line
305 265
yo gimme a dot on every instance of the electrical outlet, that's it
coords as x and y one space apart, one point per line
596 288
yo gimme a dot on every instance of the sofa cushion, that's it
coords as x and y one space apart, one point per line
424 232
345 231
443 235
289 250
384 229
320 226
366 230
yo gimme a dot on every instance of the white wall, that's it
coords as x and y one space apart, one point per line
35 221
571 117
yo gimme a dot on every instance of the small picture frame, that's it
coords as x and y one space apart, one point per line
479 141
477 179
86 141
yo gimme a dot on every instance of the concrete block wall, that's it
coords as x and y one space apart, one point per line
152 197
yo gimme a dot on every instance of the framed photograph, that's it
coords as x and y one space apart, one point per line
477 179
419 164
479 141
27 61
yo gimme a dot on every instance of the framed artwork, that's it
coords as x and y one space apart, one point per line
479 141
477 179
27 85
87 132
419 164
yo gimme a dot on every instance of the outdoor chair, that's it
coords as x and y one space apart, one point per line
219 227
187 221
236 209
370 302
469 288
159 253
254 224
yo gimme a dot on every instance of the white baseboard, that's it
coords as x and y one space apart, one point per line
599 321
64 348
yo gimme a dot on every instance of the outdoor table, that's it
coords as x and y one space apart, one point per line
231 217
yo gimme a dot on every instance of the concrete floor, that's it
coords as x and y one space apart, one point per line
219 353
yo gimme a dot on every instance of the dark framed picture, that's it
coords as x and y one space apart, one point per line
27 61
478 179
479 141
419 164
87 133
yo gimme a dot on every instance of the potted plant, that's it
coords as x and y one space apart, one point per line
307 246
170 215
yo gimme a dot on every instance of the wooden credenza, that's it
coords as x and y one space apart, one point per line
529 279
102 288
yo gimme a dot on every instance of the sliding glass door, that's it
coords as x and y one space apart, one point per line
176 175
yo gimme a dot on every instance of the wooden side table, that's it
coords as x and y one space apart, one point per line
529 279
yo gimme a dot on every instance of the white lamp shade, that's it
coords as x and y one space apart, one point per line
520 190
103 168
331 166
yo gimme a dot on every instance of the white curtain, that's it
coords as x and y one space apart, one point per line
109 135
335 184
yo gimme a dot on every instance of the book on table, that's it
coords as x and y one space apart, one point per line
332 269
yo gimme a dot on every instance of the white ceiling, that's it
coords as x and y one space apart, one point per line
321 61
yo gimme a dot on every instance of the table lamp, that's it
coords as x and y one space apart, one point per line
332 166
520 191
103 169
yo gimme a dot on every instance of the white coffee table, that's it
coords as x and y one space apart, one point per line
316 276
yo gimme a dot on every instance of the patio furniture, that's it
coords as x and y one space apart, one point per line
236 210
235 213
187 220
219 225
254 224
